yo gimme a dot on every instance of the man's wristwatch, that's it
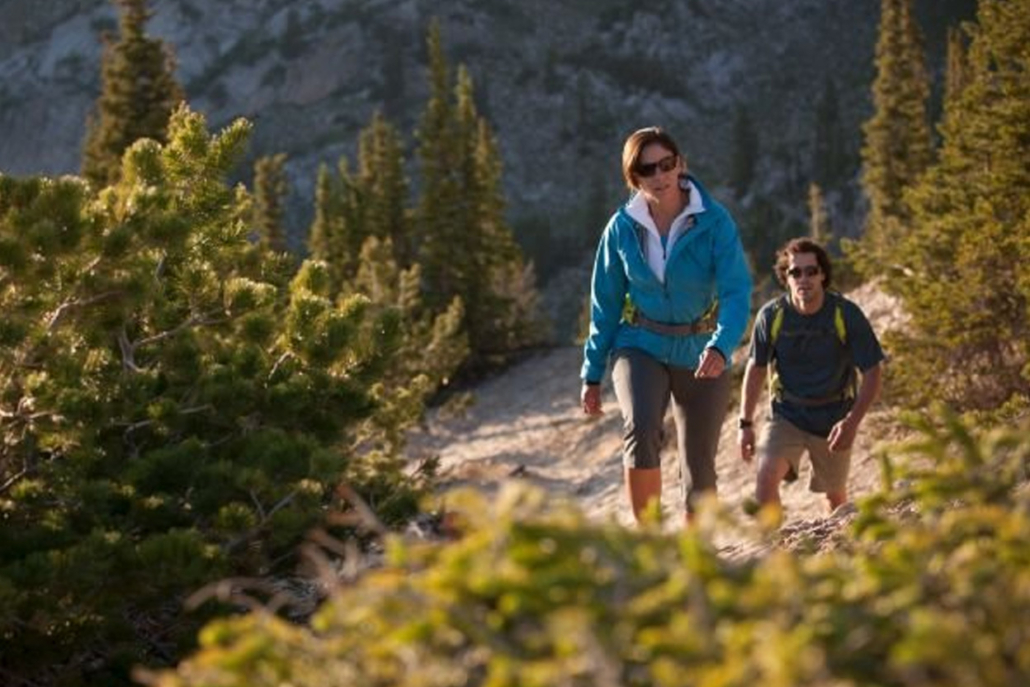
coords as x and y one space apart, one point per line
744 423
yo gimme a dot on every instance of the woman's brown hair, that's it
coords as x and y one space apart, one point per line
635 144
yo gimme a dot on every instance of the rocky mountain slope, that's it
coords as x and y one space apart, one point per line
562 82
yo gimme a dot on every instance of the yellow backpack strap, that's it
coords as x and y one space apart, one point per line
838 319
629 310
842 333
777 324
774 332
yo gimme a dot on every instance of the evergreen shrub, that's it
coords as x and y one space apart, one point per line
177 406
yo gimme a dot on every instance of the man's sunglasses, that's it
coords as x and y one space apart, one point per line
666 164
810 271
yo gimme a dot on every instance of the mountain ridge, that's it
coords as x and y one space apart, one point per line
561 83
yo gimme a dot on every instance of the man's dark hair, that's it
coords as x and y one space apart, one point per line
803 245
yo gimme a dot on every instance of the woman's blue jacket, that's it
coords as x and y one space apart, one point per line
706 264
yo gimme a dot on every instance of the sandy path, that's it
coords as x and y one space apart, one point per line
526 424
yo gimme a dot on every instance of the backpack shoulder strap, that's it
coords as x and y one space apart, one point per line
838 317
777 321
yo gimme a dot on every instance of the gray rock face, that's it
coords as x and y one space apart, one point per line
562 82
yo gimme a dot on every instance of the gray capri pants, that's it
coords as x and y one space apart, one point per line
643 387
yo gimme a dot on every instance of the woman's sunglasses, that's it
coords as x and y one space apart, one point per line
810 271
666 164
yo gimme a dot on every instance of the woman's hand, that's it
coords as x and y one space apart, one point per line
591 399
712 364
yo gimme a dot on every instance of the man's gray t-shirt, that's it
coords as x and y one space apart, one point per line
811 360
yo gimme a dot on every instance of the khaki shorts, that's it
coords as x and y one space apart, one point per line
782 439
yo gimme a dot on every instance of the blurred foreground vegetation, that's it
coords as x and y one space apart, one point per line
933 588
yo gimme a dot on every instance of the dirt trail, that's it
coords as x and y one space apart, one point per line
527 424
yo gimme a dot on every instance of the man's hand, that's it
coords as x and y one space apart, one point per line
746 438
591 399
712 364
842 435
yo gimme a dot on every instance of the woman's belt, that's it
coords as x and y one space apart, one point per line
703 325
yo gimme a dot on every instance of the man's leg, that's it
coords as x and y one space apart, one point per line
837 498
829 471
642 388
770 473
779 451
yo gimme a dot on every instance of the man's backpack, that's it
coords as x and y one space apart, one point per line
776 389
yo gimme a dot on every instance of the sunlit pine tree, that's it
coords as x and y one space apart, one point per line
955 75
325 237
270 189
384 188
174 407
829 160
440 195
137 97
966 277
898 144
429 351
818 216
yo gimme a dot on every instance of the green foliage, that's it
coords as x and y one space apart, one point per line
965 264
456 238
830 163
174 407
466 246
138 95
818 218
430 347
534 594
270 189
898 146
745 152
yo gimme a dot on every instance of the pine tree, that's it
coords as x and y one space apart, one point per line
341 222
818 217
270 190
955 76
966 281
512 281
138 95
430 347
898 144
745 152
828 160
394 78
466 246
384 188
440 195
175 407
325 238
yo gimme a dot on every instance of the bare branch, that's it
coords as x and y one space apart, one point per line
282 359
192 321
128 351
12 480
132 427
65 307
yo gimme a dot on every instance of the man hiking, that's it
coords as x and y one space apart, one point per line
815 340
